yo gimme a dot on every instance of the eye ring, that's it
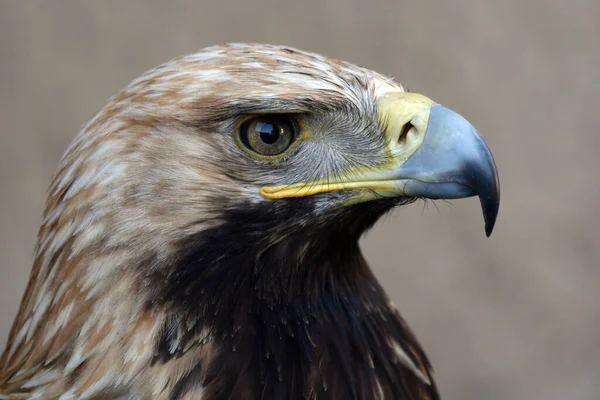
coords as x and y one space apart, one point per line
268 135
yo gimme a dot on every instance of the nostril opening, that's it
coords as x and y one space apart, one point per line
404 133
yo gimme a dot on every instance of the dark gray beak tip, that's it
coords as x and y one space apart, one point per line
489 215
489 227
490 200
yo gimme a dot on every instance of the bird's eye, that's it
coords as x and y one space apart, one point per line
268 135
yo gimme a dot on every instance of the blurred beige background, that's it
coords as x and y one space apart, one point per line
516 316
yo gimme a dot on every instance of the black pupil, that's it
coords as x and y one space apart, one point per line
269 133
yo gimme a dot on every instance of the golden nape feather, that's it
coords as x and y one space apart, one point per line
200 237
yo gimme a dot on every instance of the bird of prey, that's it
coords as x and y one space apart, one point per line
200 237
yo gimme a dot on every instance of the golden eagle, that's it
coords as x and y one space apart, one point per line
200 238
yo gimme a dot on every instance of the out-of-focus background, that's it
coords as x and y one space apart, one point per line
516 316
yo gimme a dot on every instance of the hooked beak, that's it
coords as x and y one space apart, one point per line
431 152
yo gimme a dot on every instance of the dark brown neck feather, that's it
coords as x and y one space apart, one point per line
292 313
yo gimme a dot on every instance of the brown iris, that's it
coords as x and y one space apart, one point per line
268 135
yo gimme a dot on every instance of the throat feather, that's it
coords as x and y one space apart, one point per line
299 317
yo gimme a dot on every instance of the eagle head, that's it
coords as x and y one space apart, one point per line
200 238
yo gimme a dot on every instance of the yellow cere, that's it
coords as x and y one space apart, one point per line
395 110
